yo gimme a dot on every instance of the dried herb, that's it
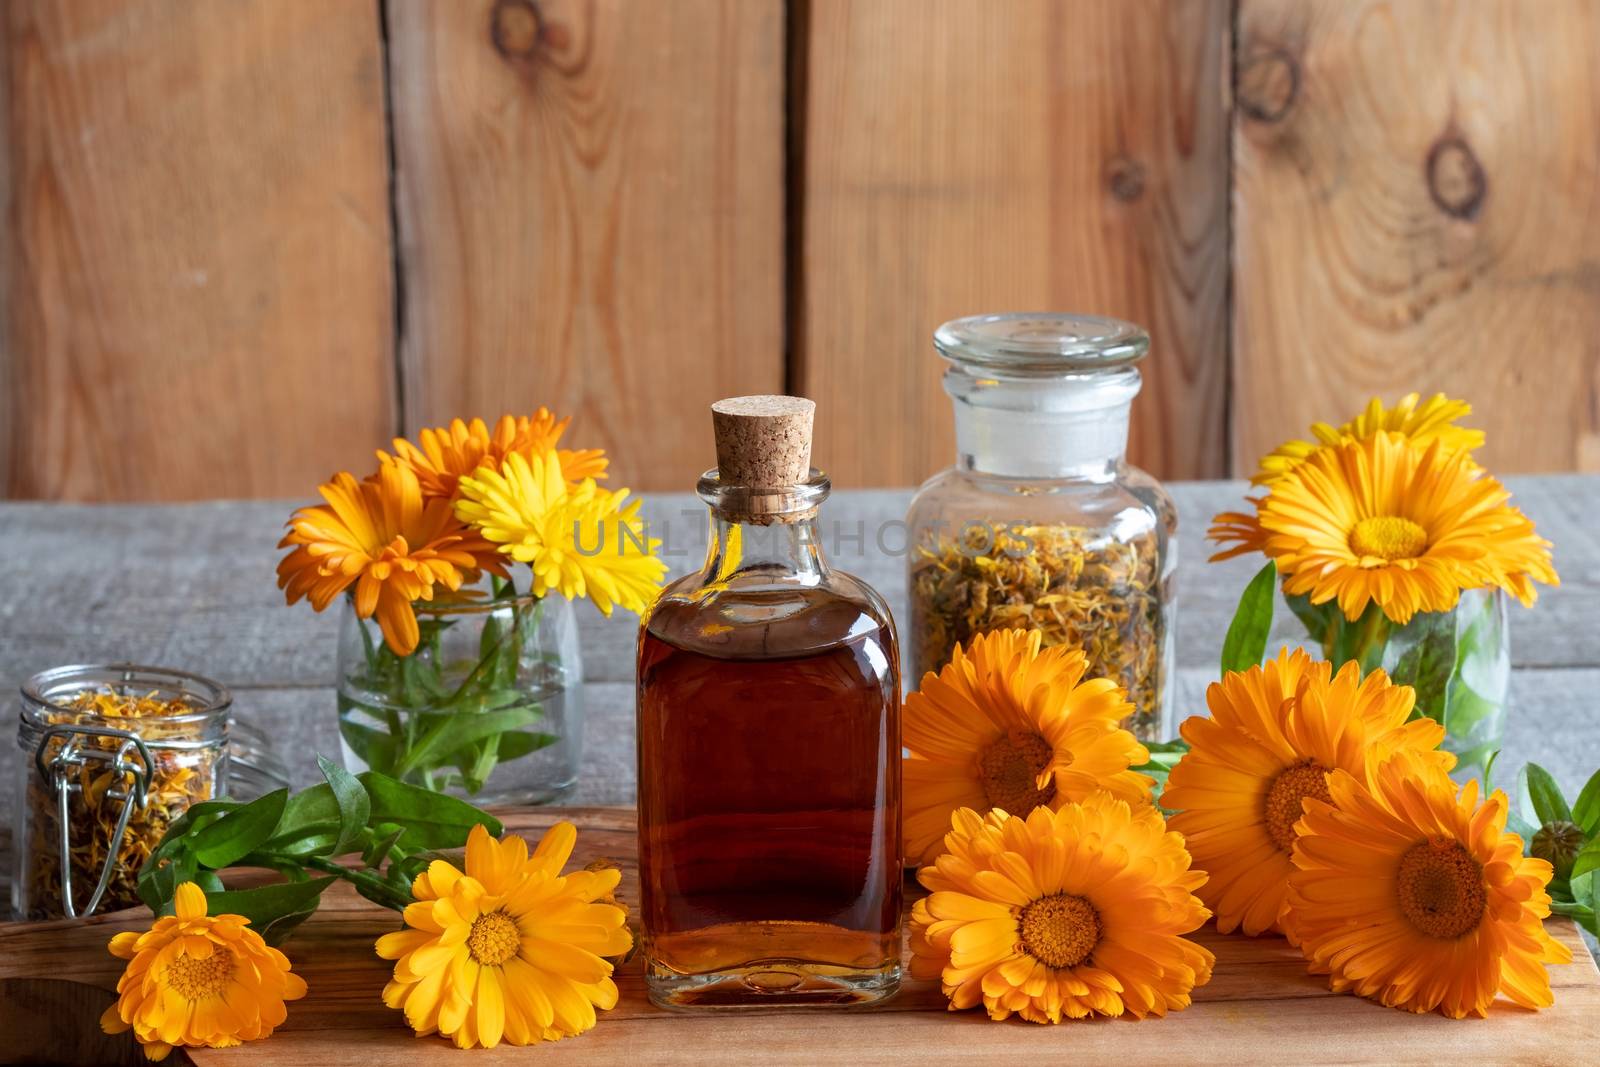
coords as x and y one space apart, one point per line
179 778
1079 587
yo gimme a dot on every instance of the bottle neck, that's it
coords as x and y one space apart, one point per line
1056 429
789 550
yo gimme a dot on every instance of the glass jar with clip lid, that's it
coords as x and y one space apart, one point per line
112 755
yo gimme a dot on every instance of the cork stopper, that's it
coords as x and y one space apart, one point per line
764 444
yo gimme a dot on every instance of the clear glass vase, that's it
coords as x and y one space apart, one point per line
489 706
1042 523
1458 661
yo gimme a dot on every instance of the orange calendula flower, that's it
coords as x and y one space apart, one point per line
1062 914
1420 421
199 980
1274 734
512 950
446 454
1412 894
1008 725
1381 521
384 539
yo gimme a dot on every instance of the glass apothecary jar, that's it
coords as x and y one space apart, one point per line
111 755
1042 523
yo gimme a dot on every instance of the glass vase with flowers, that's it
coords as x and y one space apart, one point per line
458 669
1397 551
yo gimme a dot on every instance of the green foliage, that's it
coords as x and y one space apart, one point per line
1246 642
395 829
1569 838
1164 755
429 729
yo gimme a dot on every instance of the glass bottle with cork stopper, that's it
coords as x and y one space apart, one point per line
769 747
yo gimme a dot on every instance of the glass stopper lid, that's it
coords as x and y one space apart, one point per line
1041 343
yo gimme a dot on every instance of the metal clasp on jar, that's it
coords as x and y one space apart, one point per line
130 759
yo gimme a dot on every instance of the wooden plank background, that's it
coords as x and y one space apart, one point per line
246 243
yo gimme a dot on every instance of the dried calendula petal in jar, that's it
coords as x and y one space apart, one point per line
1076 586
89 739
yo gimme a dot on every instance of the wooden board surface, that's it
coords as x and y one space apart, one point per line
963 158
590 206
1416 206
195 260
1260 1006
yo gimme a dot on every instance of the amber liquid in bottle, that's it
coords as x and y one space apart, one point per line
769 788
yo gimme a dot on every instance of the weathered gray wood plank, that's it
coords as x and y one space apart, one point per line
192 585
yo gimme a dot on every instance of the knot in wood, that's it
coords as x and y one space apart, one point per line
1456 180
514 27
1126 178
1268 84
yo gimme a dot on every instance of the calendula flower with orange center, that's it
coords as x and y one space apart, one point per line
445 454
511 950
198 980
1380 521
1008 725
581 541
1274 735
1420 421
1063 913
1413 894
385 540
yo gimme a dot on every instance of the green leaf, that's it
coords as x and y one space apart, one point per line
209 882
1246 643
1548 803
157 883
1586 811
1488 769
449 733
1521 827
384 838
375 747
354 805
1583 914
1467 709
314 807
432 820
1362 641
1588 859
1320 620
1429 665
478 761
239 831
273 910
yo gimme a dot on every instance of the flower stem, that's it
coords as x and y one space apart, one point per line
378 890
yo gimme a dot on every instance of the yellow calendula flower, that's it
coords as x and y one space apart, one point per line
1008 725
382 537
1415 896
1274 734
1382 521
1062 914
579 540
512 950
199 980
1420 421
445 454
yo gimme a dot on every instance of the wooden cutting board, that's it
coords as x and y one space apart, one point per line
1260 1006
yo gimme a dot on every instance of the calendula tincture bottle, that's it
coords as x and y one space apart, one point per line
1042 523
769 747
